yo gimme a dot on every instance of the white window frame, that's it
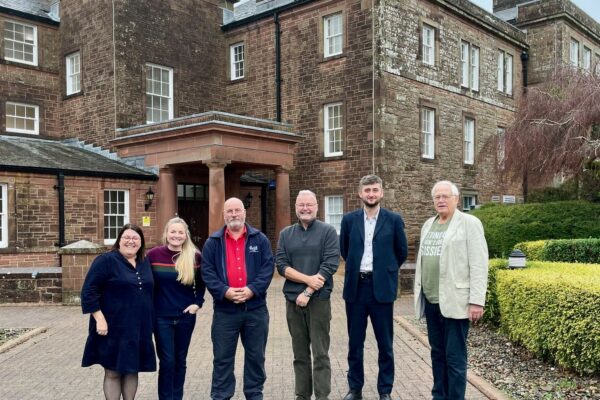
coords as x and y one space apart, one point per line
333 35
73 72
505 72
469 141
428 39
587 59
16 116
3 215
333 133
469 201
237 60
334 211
428 132
114 228
16 40
160 96
469 58
574 53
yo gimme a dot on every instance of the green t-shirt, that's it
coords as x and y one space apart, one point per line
431 248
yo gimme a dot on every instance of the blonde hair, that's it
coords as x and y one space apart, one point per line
185 262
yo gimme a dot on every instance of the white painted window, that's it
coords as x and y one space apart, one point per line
73 73
20 43
464 61
574 53
469 202
469 57
116 213
236 55
333 34
159 93
587 59
469 141
332 115
428 40
3 215
505 72
22 118
334 211
428 133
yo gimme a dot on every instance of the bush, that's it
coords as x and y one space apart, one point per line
491 315
553 309
577 250
532 250
565 250
507 225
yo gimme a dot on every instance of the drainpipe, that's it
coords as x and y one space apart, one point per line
60 178
277 66
524 61
263 207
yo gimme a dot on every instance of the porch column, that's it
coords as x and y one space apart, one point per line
167 196
216 193
282 199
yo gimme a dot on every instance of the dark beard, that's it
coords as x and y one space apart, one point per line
371 205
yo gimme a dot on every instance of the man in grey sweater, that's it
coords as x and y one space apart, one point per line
308 255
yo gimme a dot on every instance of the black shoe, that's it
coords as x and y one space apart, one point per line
385 397
353 395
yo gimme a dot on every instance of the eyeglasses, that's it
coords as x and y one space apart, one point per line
131 239
441 197
307 205
234 211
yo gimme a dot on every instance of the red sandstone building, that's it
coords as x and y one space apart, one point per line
106 103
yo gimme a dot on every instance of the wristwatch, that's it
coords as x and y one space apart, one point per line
306 293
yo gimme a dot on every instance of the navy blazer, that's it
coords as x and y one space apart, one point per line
389 252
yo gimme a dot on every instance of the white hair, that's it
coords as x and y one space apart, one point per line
453 187
306 192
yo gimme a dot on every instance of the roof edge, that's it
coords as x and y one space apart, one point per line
32 17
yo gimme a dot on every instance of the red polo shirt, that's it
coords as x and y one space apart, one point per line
235 259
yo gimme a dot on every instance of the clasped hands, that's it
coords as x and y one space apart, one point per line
239 295
314 283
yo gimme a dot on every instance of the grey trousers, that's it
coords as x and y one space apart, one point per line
309 328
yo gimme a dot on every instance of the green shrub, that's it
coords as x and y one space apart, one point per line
532 250
576 250
553 309
506 225
491 315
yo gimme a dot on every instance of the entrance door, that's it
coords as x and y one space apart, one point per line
193 208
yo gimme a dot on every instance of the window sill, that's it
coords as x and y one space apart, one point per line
325 59
28 66
238 80
429 160
333 158
73 95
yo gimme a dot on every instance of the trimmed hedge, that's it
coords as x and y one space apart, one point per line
491 316
565 250
507 225
553 309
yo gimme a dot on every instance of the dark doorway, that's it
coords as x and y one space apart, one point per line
192 206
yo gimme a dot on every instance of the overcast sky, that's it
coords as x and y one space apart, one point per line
591 7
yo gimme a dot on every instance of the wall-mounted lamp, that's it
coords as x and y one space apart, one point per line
248 200
149 198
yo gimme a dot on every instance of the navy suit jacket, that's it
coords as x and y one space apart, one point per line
389 252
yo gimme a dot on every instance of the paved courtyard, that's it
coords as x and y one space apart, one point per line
48 365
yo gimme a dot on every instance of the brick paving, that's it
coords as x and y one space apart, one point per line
48 366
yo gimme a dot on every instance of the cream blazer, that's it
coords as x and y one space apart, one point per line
463 267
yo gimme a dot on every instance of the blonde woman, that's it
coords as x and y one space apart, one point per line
178 295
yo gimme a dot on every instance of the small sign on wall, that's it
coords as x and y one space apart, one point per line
508 199
145 221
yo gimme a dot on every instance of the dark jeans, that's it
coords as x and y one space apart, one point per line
253 328
309 328
448 341
382 319
173 336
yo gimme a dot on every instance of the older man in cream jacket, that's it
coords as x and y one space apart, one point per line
450 286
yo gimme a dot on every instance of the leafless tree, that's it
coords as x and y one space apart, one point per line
555 131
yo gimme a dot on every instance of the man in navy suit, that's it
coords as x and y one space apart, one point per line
373 244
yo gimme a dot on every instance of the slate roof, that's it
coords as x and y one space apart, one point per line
36 8
50 156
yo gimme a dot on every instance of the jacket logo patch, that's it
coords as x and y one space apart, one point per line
253 249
